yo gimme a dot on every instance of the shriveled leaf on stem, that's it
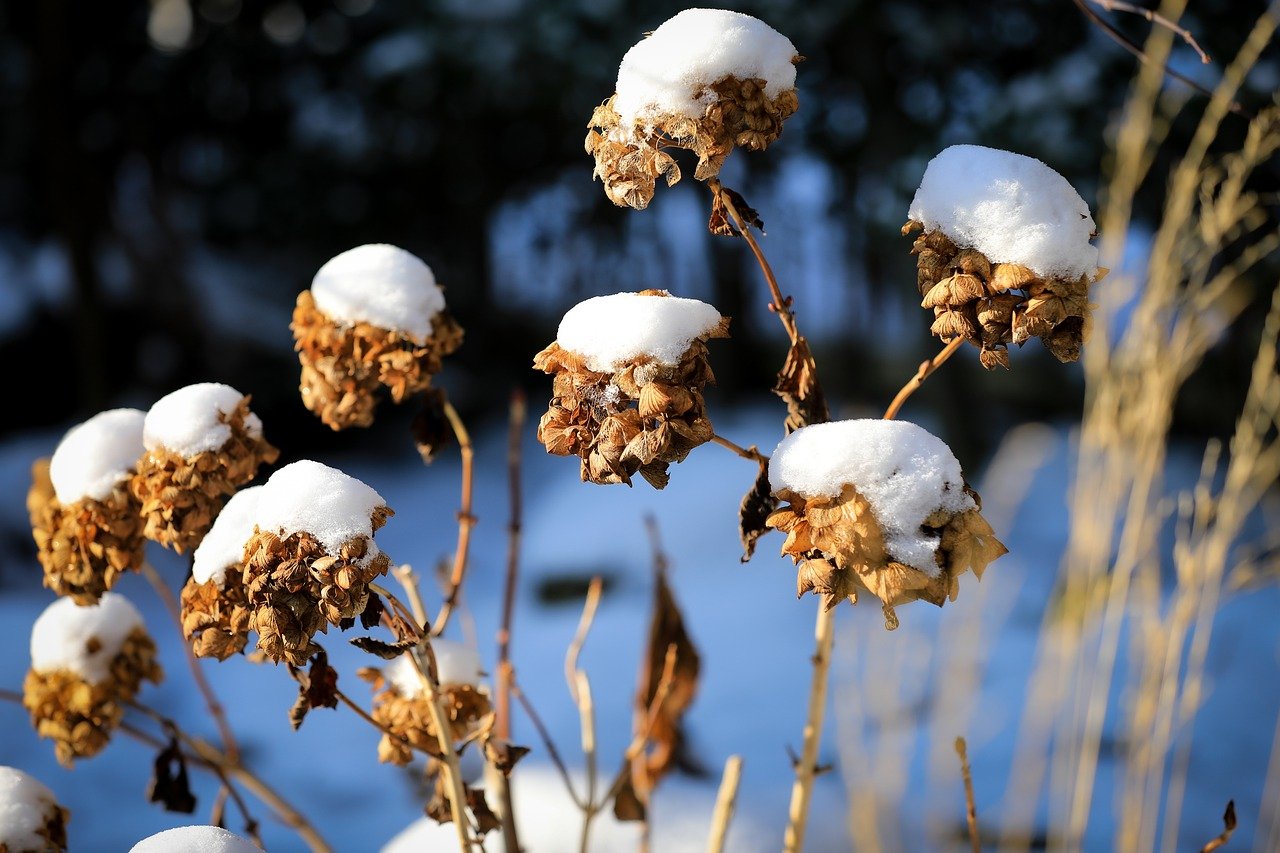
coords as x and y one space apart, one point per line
386 651
169 784
1228 828
666 735
316 689
798 387
431 429
721 222
757 505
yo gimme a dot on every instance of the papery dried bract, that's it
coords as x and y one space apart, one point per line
216 618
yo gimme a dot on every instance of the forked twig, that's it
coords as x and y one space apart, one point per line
1157 19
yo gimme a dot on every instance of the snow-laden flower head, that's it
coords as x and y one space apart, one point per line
877 505
30 817
1005 254
706 80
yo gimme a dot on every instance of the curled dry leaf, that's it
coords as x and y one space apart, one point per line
756 507
170 786
798 387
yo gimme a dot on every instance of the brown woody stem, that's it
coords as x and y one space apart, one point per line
466 520
726 798
970 804
925 370
745 452
506 672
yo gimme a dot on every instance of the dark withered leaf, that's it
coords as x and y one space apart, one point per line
628 806
346 623
372 613
757 505
431 429
169 784
748 213
1228 828
486 820
322 683
386 651
798 386
667 744
503 755
298 712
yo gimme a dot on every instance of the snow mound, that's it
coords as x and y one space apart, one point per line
456 663
327 503
904 472
83 640
192 419
608 331
25 805
1010 207
195 839
223 546
382 285
96 455
669 71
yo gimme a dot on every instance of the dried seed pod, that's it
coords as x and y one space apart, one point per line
215 610
202 443
706 80
373 318
401 707
1018 229
310 560
877 505
31 820
629 373
86 664
84 520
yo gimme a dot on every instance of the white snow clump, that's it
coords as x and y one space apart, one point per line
608 331
456 663
83 640
327 503
192 419
195 839
96 455
382 285
223 546
904 472
25 806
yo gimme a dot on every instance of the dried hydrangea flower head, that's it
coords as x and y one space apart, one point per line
401 707
84 519
374 316
311 557
86 664
878 505
629 372
195 839
31 821
1005 254
202 443
706 80
215 611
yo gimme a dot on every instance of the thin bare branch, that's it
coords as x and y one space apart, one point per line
1157 19
466 521
745 452
726 799
970 804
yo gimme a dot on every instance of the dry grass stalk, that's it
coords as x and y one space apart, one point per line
726 800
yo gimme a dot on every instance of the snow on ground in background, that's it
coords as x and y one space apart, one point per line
456 663
96 455
85 639
754 636
1010 207
192 419
26 805
609 331
382 285
223 546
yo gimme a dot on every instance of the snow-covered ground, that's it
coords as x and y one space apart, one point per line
754 636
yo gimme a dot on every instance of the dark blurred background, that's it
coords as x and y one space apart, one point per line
173 173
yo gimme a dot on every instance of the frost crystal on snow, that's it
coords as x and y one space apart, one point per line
608 331
382 285
223 545
195 839
904 472
669 71
309 496
26 807
456 663
192 420
93 457
1010 207
83 640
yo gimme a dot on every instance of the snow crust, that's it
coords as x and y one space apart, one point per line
327 503
668 72
1010 207
382 285
96 455
609 331
61 636
25 804
456 663
190 421
195 839
904 472
223 546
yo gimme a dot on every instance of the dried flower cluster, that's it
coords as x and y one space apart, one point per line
630 159
216 618
31 819
638 418
344 365
85 546
294 588
406 714
79 716
181 495
839 547
992 305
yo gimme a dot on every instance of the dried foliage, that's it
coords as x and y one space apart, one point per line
216 619
79 717
180 496
85 546
630 159
295 588
993 305
639 418
408 717
839 547
754 511
170 785
345 365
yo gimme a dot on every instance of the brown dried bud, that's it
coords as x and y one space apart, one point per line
405 713
216 618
